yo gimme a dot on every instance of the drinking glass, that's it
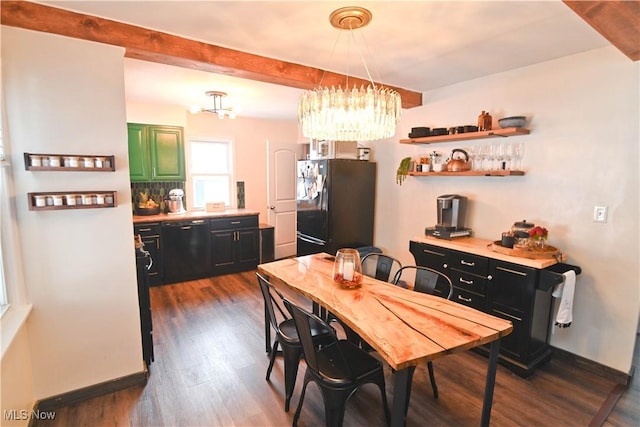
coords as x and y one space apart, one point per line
509 156
473 158
501 155
518 154
492 156
482 153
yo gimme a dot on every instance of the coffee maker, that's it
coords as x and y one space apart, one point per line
451 210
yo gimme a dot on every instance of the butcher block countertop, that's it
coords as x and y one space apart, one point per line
188 216
482 247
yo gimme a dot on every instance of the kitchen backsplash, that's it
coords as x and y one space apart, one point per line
158 191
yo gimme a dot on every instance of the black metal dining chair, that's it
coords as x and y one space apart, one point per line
339 368
286 336
380 266
428 281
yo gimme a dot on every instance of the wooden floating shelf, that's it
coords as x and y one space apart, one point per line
494 133
110 200
470 173
110 160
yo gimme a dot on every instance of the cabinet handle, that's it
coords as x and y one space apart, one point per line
185 227
427 251
520 273
466 282
197 221
235 222
144 229
470 264
507 315
445 266
461 298
489 277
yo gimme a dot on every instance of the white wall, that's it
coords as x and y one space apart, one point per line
250 136
582 151
67 96
16 388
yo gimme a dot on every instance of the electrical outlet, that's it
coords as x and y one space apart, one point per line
600 214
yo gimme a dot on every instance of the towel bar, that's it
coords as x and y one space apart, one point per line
553 275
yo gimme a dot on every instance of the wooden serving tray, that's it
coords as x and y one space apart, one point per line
548 252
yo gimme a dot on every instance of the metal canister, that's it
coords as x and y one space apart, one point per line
520 231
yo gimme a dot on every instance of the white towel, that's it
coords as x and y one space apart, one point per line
565 291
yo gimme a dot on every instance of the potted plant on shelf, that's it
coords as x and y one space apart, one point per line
403 170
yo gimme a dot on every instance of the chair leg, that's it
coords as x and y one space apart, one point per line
385 403
307 379
335 403
292 356
432 378
274 352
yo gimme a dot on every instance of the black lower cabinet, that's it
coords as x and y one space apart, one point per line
235 244
507 290
143 262
187 251
184 250
151 235
513 294
267 244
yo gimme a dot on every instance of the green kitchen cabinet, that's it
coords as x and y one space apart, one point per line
156 153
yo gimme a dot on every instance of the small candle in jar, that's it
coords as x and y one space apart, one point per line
347 272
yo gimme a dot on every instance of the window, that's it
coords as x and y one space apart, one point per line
210 172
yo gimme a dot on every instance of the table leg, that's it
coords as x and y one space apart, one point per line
490 383
401 396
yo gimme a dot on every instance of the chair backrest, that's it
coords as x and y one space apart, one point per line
380 266
425 280
271 303
304 322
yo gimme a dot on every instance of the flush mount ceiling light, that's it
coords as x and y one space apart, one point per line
357 114
215 106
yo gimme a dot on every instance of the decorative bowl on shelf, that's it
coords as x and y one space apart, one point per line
512 122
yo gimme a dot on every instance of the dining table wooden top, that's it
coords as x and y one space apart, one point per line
405 327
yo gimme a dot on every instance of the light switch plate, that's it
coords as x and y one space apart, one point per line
600 213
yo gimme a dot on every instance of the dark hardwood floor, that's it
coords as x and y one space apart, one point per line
210 371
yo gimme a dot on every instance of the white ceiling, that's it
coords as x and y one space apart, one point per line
416 45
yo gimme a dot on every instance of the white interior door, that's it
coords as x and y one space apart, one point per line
281 197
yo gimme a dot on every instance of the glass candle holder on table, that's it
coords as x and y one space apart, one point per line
347 268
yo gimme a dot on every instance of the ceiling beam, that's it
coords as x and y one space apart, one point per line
616 21
149 45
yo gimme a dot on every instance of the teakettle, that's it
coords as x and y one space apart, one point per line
458 165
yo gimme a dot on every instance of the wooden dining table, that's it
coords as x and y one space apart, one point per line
404 327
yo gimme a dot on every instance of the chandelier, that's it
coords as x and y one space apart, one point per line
215 106
357 114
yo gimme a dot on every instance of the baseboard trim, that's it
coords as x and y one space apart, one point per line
618 377
608 405
96 390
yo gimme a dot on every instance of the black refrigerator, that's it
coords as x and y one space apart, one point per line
335 202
